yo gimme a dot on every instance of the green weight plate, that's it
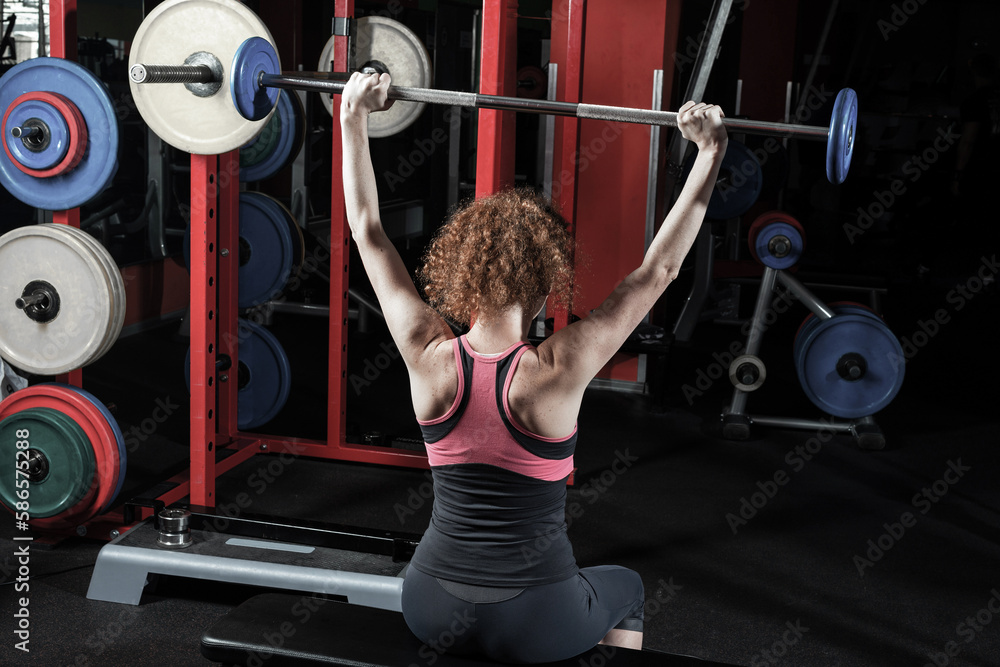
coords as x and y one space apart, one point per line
65 478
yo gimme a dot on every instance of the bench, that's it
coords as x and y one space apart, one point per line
280 629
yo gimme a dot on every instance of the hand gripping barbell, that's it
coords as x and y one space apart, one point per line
254 79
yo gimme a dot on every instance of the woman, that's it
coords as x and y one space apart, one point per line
494 574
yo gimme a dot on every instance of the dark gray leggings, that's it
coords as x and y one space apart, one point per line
535 624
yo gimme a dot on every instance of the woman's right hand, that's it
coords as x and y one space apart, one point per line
365 93
702 124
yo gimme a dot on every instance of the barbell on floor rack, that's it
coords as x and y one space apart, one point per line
255 77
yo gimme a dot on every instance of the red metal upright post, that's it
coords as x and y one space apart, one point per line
498 76
568 18
62 44
340 239
204 174
228 291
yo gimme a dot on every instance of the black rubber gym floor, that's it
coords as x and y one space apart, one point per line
792 548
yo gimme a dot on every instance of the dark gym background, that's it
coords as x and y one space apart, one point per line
819 569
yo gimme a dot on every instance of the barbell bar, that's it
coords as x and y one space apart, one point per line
255 77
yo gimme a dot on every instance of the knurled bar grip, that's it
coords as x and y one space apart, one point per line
592 111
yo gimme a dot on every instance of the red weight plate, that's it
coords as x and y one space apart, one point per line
77 133
102 439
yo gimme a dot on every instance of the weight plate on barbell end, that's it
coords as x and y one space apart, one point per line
119 439
169 34
738 369
117 283
64 473
739 183
102 439
278 143
57 265
823 349
254 57
93 173
392 43
266 250
840 143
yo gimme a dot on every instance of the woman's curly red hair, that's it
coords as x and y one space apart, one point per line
508 249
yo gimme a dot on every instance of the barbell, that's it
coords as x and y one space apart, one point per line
172 46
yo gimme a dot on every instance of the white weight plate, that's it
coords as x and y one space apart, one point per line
100 260
170 34
77 334
118 300
399 48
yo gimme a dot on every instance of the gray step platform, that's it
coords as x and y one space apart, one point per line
124 567
274 629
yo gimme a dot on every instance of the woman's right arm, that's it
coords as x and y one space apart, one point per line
580 350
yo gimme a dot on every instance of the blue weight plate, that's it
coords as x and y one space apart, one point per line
840 143
119 438
58 134
253 57
265 155
266 249
100 163
739 184
264 375
820 345
267 379
763 240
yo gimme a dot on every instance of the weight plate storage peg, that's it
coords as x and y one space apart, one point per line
277 144
397 47
198 118
60 463
776 240
60 134
850 365
62 299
